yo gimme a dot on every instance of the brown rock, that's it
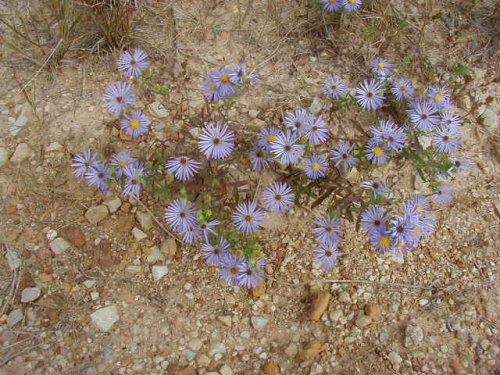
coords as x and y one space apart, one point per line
312 349
319 305
103 255
74 234
44 253
373 311
186 371
26 281
125 224
11 210
259 290
271 368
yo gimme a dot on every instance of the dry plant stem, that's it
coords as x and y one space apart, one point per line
16 279
157 221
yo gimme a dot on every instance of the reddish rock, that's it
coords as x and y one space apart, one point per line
74 234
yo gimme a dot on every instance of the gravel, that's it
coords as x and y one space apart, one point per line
59 245
105 317
159 272
30 294
96 214
259 322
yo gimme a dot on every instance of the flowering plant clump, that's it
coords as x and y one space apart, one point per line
338 5
215 198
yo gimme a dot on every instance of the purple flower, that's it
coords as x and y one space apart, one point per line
460 166
389 134
334 87
447 139
342 157
421 204
451 120
214 254
258 159
423 114
119 97
216 141
180 215
248 276
267 136
278 197
299 121
332 5
98 176
327 230
381 66
376 151
229 268
370 95
316 167
247 217
352 5
191 235
327 254
318 133
374 219
376 186
135 124
402 231
132 64
439 96
239 75
83 162
133 178
444 195
382 240
183 167
121 161
402 89
206 228
286 149
210 90
222 79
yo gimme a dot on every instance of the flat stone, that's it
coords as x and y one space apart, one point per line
158 272
373 311
155 255
13 259
490 118
15 316
335 315
169 247
414 335
195 344
59 245
291 350
216 347
75 236
271 368
344 297
363 321
259 322
22 153
133 269
4 156
319 305
54 147
96 214
89 283
113 204
315 106
138 234
395 358
312 349
30 294
226 319
203 361
144 219
105 317
225 370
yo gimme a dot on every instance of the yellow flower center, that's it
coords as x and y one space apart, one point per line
212 85
416 230
438 98
271 138
123 164
384 241
352 1
248 218
420 209
315 167
381 64
378 151
333 1
134 124
224 78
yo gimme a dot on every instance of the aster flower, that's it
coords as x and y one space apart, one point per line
443 195
327 255
207 229
222 79
421 205
342 157
382 240
376 151
381 66
267 136
316 167
121 161
423 114
119 97
370 95
247 217
334 87
183 167
352 5
190 235
180 215
389 134
216 141
83 162
299 121
133 178
376 186
403 232
446 139
229 268
373 219
248 276
451 120
460 166
286 149
278 197
439 96
239 75
135 124
318 133
210 90
332 5
258 159
214 255
327 230
98 176
402 89
132 64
